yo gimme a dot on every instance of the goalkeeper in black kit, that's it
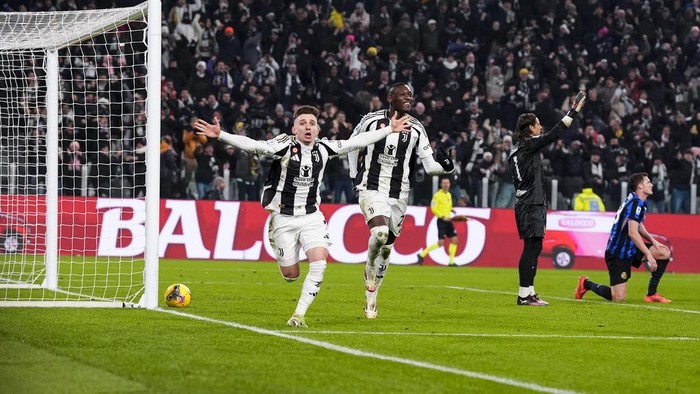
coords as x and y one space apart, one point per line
530 198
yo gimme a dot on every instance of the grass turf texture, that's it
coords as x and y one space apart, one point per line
463 320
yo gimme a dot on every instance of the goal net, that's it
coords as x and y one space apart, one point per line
77 131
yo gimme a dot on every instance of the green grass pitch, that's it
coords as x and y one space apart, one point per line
439 330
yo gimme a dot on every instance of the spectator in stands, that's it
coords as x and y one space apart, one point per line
72 162
594 174
217 191
506 189
659 178
618 173
640 70
682 176
207 169
169 177
192 143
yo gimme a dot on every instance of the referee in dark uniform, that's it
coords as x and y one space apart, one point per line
530 198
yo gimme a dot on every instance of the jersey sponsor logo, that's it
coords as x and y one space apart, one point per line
387 160
305 179
387 157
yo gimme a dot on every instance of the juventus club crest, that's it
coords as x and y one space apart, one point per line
316 156
404 137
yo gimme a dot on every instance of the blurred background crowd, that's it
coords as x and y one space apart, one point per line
474 67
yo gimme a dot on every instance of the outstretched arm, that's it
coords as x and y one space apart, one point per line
565 122
361 140
239 141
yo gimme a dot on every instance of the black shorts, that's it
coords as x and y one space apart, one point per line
445 229
531 220
620 269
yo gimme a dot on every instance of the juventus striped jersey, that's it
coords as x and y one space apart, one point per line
386 165
292 186
620 244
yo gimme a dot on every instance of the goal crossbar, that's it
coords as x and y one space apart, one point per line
71 25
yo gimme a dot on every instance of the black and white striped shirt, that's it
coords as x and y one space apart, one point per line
386 165
292 186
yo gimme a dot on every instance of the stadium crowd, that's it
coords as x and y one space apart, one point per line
474 66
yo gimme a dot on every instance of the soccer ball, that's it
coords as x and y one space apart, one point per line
177 295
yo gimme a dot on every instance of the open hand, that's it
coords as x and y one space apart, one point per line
205 128
402 124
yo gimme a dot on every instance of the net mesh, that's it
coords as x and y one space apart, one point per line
101 150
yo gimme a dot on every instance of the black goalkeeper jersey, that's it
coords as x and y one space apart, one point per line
526 166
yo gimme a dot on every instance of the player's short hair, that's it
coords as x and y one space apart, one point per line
636 179
306 110
522 128
392 88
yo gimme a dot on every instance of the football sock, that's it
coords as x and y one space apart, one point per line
429 249
453 250
311 286
383 263
523 292
377 239
601 290
531 289
527 267
656 276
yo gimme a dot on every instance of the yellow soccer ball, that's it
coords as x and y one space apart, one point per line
177 295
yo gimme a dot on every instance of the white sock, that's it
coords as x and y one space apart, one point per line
377 239
311 286
532 290
523 292
382 263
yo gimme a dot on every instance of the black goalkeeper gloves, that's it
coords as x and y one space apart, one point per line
443 157
577 104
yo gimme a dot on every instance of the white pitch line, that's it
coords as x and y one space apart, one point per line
620 304
362 353
484 335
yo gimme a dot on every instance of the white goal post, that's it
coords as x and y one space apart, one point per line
79 126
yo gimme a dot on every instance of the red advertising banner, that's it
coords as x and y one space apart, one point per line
233 230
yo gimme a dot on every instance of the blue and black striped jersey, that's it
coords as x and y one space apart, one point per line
620 244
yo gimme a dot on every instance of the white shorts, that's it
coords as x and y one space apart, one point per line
288 234
373 204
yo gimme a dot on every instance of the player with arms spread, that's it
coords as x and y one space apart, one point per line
291 192
530 198
382 173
